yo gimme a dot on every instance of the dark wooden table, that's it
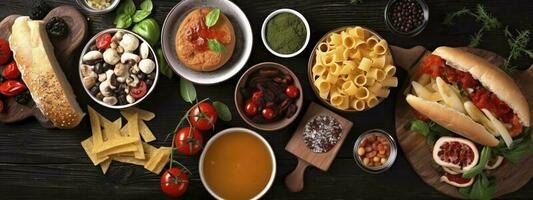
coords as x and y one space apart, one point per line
37 163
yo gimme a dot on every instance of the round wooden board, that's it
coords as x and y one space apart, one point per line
63 49
509 177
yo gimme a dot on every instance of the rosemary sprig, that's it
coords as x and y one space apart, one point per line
518 47
481 15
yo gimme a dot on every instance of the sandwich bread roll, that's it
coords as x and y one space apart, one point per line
42 73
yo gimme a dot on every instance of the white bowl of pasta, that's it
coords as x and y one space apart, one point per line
352 69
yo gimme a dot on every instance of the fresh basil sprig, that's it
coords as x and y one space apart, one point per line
212 17
431 130
127 13
164 68
216 46
521 146
483 188
483 160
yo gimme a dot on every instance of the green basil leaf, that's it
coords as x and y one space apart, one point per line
212 17
483 188
216 46
223 111
140 15
522 146
147 5
149 29
164 68
124 21
420 127
483 160
127 7
187 90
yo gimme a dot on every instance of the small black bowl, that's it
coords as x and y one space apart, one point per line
415 31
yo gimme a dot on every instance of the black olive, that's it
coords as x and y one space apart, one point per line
122 99
92 62
123 86
130 62
151 76
141 76
106 66
113 80
99 68
94 90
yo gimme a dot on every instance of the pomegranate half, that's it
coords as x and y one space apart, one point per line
455 153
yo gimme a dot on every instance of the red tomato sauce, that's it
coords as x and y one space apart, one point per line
458 178
481 97
199 34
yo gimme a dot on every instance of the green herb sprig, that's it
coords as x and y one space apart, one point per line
488 21
483 188
518 47
431 130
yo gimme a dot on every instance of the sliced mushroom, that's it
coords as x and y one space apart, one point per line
92 57
111 56
135 69
113 45
129 56
110 100
102 77
129 42
145 50
105 89
147 66
89 82
130 99
118 36
132 81
120 69
86 70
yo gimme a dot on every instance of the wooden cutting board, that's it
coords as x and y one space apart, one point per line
63 49
509 177
297 146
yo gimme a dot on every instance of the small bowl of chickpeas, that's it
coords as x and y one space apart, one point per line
375 151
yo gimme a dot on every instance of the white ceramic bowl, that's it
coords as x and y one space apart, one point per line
240 130
264 27
241 52
113 31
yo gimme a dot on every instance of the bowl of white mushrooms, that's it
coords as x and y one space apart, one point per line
118 68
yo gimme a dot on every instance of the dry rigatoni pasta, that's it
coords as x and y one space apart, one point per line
353 69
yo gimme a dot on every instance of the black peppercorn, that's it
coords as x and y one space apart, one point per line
406 15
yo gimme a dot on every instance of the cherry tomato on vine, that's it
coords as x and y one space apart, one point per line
139 91
251 108
203 116
104 41
188 141
174 182
268 113
292 91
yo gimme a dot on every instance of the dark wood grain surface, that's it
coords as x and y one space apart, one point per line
37 163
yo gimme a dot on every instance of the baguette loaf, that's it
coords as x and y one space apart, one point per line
490 76
452 120
42 74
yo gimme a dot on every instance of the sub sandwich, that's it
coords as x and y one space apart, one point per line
469 96
42 74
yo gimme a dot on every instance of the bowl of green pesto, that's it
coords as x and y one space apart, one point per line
285 33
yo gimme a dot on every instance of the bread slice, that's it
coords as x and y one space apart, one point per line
42 73
490 76
453 120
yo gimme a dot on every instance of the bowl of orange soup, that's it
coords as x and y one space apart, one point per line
237 163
